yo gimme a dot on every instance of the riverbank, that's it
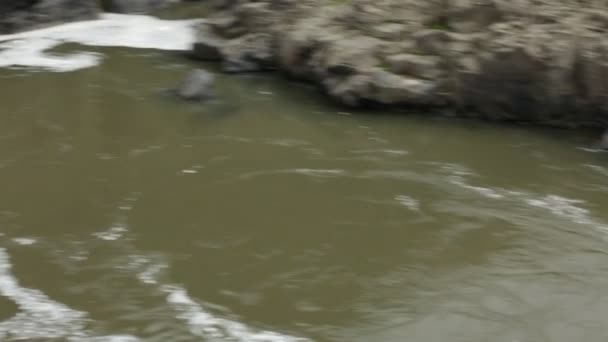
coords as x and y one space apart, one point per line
533 62
537 62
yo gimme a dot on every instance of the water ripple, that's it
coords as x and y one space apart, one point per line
41 317
317 173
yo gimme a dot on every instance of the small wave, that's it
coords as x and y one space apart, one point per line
561 207
151 270
383 151
567 209
40 317
287 142
486 192
200 322
408 202
24 241
204 324
592 149
297 171
317 172
27 49
112 233
228 138
599 169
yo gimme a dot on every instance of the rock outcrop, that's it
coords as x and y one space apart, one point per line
19 15
540 61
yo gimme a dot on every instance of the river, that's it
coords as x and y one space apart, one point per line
269 214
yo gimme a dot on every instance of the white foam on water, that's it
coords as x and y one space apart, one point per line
408 202
200 321
189 171
24 241
458 175
567 209
40 317
599 169
392 152
558 206
317 172
27 49
206 325
150 274
592 149
486 192
111 234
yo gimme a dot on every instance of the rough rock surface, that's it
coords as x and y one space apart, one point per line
541 61
134 6
19 15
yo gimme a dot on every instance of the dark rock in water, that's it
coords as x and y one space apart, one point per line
604 142
134 6
20 15
196 86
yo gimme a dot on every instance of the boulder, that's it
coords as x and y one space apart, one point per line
432 42
252 52
380 86
539 61
389 31
549 73
134 6
196 86
420 66
389 88
472 15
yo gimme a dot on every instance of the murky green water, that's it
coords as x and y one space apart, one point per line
269 214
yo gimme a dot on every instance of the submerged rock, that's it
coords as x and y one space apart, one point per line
196 86
20 15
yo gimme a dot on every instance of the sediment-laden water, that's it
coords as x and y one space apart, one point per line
270 215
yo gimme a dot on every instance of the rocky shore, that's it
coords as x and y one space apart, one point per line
539 61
